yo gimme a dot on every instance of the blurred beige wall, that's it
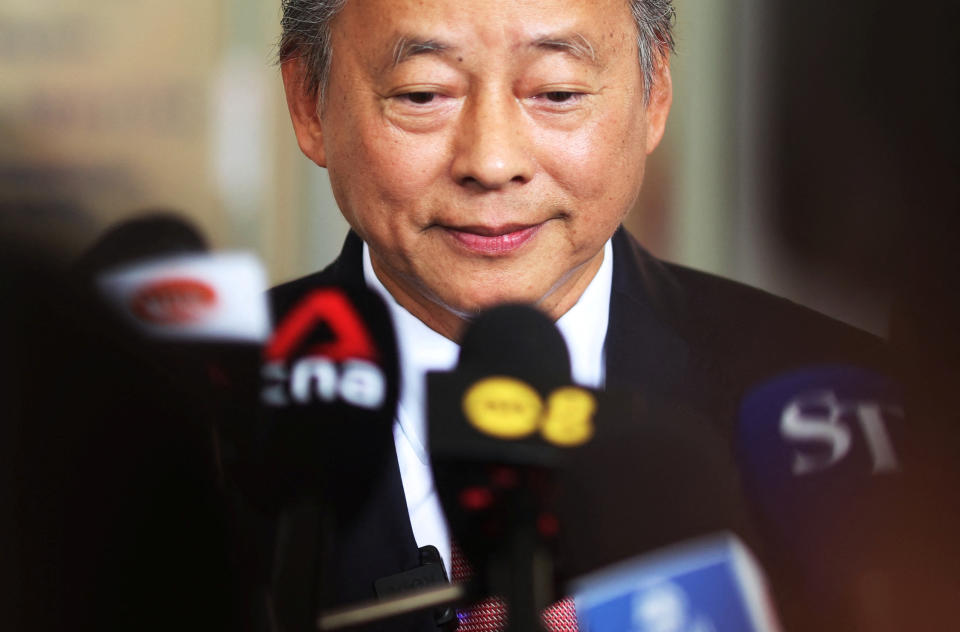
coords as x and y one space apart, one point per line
117 106
107 104
688 205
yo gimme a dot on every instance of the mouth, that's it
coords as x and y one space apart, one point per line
493 240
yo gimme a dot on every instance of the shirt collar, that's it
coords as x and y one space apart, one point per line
584 326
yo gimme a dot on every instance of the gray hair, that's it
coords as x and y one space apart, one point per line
306 35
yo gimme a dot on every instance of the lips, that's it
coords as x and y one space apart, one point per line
493 241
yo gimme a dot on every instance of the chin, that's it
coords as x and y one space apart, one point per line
468 307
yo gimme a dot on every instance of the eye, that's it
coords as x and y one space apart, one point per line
419 98
560 100
560 96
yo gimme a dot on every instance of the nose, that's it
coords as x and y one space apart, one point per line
491 146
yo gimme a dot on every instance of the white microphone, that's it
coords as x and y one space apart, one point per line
192 297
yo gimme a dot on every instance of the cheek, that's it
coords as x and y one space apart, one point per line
407 165
372 160
382 181
601 163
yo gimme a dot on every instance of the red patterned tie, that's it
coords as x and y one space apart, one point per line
490 615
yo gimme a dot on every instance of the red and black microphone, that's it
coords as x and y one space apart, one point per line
328 397
329 394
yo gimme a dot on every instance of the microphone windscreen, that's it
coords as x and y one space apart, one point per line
508 397
201 317
650 477
330 391
519 341
152 234
192 298
822 450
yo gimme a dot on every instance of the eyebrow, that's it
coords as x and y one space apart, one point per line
409 46
574 44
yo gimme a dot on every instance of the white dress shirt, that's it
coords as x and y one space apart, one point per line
584 328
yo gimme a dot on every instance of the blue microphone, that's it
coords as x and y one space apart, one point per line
822 453
820 420
711 584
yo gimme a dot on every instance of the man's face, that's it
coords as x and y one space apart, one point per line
484 150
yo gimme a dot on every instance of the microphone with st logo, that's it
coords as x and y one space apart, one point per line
500 425
826 455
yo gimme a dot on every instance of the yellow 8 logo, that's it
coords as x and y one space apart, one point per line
503 407
569 416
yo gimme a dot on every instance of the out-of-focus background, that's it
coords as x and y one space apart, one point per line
806 140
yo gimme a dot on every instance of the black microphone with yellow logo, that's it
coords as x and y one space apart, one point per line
500 424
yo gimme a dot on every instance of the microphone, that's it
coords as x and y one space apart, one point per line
150 234
655 474
499 424
192 298
154 273
711 584
202 316
826 460
118 485
655 530
330 385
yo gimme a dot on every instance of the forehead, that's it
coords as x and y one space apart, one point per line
594 28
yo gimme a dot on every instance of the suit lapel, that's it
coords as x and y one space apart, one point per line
376 541
642 351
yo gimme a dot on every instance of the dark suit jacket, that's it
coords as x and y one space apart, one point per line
675 333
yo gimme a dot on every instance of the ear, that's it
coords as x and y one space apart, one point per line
658 107
304 111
